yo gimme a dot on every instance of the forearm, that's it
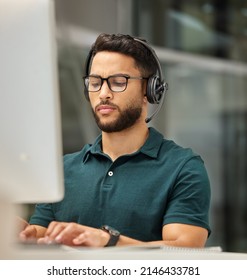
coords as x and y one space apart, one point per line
179 235
126 241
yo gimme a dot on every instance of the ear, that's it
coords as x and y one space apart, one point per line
145 100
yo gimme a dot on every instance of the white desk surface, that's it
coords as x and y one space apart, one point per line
123 253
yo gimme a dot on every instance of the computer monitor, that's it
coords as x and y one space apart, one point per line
31 157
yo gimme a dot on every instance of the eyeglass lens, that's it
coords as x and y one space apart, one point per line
115 83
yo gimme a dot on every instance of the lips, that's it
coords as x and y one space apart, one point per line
105 109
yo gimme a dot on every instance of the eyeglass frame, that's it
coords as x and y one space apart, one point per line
127 77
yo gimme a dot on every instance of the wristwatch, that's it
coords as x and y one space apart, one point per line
114 235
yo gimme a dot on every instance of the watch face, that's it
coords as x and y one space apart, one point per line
111 230
114 232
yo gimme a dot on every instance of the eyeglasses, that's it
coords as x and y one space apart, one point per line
116 83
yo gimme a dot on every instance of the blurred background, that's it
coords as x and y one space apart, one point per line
202 47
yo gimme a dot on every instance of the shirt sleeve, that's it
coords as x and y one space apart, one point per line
190 196
42 215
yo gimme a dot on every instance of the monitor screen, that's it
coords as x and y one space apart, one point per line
31 158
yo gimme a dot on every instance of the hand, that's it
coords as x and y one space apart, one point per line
29 233
73 234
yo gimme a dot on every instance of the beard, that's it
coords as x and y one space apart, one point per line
126 118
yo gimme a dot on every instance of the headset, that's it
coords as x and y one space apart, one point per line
156 87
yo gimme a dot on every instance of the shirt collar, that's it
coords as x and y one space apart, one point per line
153 143
150 148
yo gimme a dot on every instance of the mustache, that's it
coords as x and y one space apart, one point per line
106 102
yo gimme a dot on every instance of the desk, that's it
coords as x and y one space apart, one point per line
123 253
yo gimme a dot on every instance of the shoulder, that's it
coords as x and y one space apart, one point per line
170 149
176 152
76 157
183 159
175 158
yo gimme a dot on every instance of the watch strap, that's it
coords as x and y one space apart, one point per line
114 235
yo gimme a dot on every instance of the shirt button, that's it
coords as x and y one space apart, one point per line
110 173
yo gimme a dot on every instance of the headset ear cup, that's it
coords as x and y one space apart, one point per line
153 92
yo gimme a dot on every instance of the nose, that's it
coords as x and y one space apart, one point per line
105 92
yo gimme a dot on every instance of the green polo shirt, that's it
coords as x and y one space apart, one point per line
137 194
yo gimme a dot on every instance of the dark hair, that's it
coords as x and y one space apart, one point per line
127 45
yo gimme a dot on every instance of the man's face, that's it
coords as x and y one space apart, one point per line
116 111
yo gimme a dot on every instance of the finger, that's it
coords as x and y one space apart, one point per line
22 236
28 233
51 226
90 238
42 240
45 240
54 230
68 233
80 239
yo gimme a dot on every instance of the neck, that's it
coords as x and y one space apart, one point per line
124 142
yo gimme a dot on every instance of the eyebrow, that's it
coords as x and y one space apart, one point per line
117 74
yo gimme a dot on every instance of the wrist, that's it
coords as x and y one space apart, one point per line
113 236
105 237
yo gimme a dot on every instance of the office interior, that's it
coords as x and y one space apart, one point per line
201 45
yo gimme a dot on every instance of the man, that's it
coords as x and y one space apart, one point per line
142 188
